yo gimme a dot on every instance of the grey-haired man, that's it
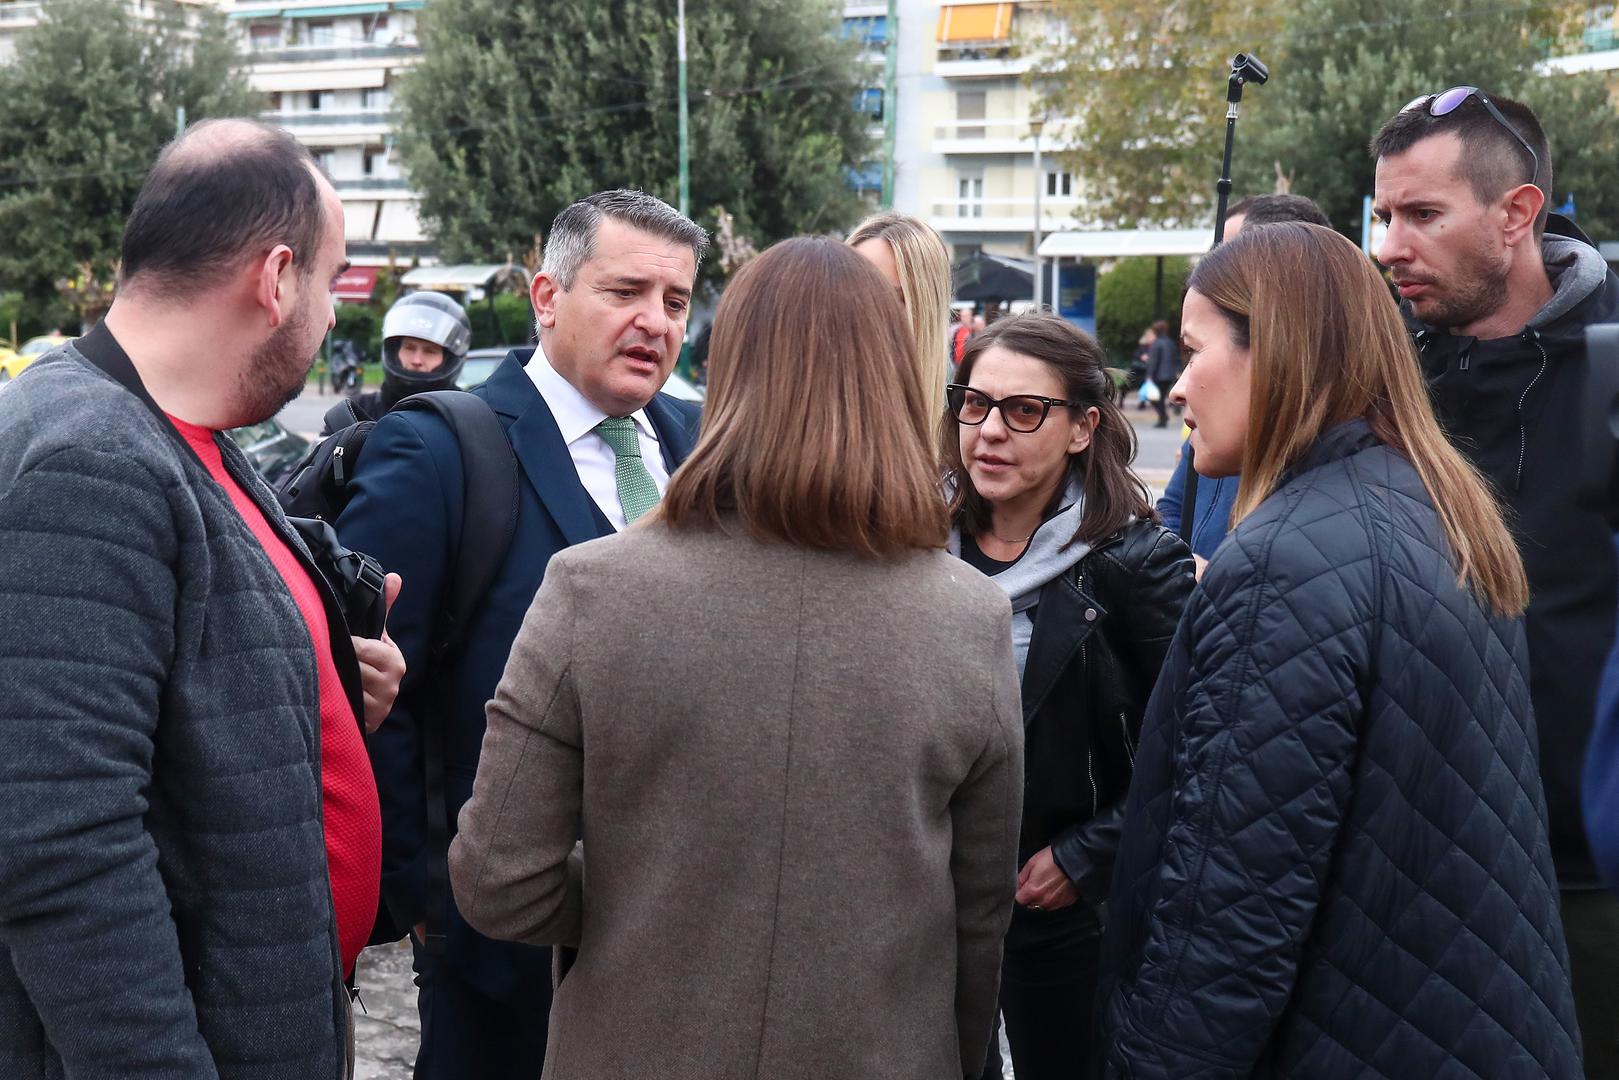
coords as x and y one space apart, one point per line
595 443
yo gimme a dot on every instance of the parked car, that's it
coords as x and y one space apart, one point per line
27 353
271 448
481 363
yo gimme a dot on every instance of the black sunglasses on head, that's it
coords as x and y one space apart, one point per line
1449 101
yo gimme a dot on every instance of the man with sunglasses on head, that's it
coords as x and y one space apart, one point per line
1497 294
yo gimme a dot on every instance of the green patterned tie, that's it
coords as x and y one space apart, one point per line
637 492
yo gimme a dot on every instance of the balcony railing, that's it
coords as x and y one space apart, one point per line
314 118
390 184
13 13
288 54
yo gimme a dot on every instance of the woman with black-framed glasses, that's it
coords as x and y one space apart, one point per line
1044 502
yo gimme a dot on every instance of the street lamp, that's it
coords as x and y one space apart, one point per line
1036 126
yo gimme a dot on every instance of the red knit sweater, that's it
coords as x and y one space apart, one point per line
348 790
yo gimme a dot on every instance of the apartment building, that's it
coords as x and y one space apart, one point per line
327 71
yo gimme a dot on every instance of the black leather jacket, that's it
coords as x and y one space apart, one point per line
1101 632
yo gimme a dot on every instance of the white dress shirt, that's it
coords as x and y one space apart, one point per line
593 459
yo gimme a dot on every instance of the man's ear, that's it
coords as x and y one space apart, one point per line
1523 205
542 294
272 278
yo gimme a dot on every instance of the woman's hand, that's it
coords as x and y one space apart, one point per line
1041 884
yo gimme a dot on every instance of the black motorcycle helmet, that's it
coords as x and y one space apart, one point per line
430 316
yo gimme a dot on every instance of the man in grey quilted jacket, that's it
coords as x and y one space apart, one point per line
177 687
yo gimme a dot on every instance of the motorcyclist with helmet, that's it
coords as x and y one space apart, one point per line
425 337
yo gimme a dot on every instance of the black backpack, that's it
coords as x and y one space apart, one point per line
317 491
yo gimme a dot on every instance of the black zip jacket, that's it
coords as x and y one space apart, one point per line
1100 634
1510 404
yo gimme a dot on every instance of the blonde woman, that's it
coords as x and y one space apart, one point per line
916 263
1335 860
784 721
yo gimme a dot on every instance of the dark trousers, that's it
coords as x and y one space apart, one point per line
1048 993
1591 924
467 1035
1163 411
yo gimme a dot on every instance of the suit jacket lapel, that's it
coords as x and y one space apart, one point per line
677 431
540 451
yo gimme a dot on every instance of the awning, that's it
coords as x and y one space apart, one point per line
975 22
336 9
254 13
991 279
1119 243
458 278
355 283
397 222
271 82
360 220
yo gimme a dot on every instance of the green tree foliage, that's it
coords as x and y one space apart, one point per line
1138 90
88 103
1346 66
1125 302
1147 85
522 106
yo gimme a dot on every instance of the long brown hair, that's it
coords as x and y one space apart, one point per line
923 263
817 428
1113 493
1327 346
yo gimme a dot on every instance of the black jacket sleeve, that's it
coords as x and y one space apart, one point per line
1157 573
1267 735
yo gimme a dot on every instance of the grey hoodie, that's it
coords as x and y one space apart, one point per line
1051 552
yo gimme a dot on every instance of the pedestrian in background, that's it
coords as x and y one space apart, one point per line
1335 858
912 258
189 825
1497 294
1215 496
785 722
1163 368
1046 505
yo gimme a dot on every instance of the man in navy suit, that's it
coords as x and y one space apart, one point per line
595 443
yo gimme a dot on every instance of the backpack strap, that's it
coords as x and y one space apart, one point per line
489 469
1188 497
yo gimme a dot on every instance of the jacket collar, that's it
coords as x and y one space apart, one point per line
104 352
544 457
1337 442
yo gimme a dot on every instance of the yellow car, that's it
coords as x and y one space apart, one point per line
12 363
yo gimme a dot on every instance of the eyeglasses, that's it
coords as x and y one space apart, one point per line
1020 412
1448 102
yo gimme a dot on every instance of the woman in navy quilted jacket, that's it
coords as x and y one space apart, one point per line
1335 860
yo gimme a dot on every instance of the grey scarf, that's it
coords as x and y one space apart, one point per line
1048 556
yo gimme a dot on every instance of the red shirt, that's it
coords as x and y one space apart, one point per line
348 790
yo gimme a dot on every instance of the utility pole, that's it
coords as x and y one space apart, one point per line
685 133
1037 125
890 102
179 121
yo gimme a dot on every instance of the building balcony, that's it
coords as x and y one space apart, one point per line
373 186
1596 50
15 16
382 119
1004 215
991 137
953 65
310 54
